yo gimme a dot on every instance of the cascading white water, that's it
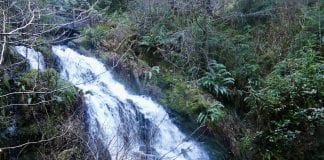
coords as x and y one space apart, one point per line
35 59
129 126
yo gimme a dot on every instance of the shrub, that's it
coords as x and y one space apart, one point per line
217 80
213 114
290 106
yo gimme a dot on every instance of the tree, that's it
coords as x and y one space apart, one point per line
25 22
32 23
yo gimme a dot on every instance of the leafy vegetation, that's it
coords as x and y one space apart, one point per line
213 114
290 106
249 71
39 106
253 65
217 80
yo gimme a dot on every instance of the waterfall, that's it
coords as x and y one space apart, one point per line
128 126
35 59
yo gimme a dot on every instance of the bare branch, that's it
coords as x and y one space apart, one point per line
24 104
4 37
28 23
35 142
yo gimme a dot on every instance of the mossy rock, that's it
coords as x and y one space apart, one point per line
183 96
68 154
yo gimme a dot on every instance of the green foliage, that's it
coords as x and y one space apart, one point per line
110 6
291 104
155 70
156 36
108 34
312 17
249 6
246 144
92 35
63 91
217 80
213 114
272 49
119 18
181 95
40 113
235 49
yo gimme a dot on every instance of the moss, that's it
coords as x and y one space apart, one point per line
68 153
246 144
50 78
27 130
45 117
181 95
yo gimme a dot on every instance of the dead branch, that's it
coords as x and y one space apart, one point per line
35 142
4 37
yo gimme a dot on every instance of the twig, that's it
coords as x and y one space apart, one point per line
35 142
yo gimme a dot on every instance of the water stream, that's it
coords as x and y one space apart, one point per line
35 59
129 127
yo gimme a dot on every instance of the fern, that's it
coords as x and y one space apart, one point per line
217 80
213 114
